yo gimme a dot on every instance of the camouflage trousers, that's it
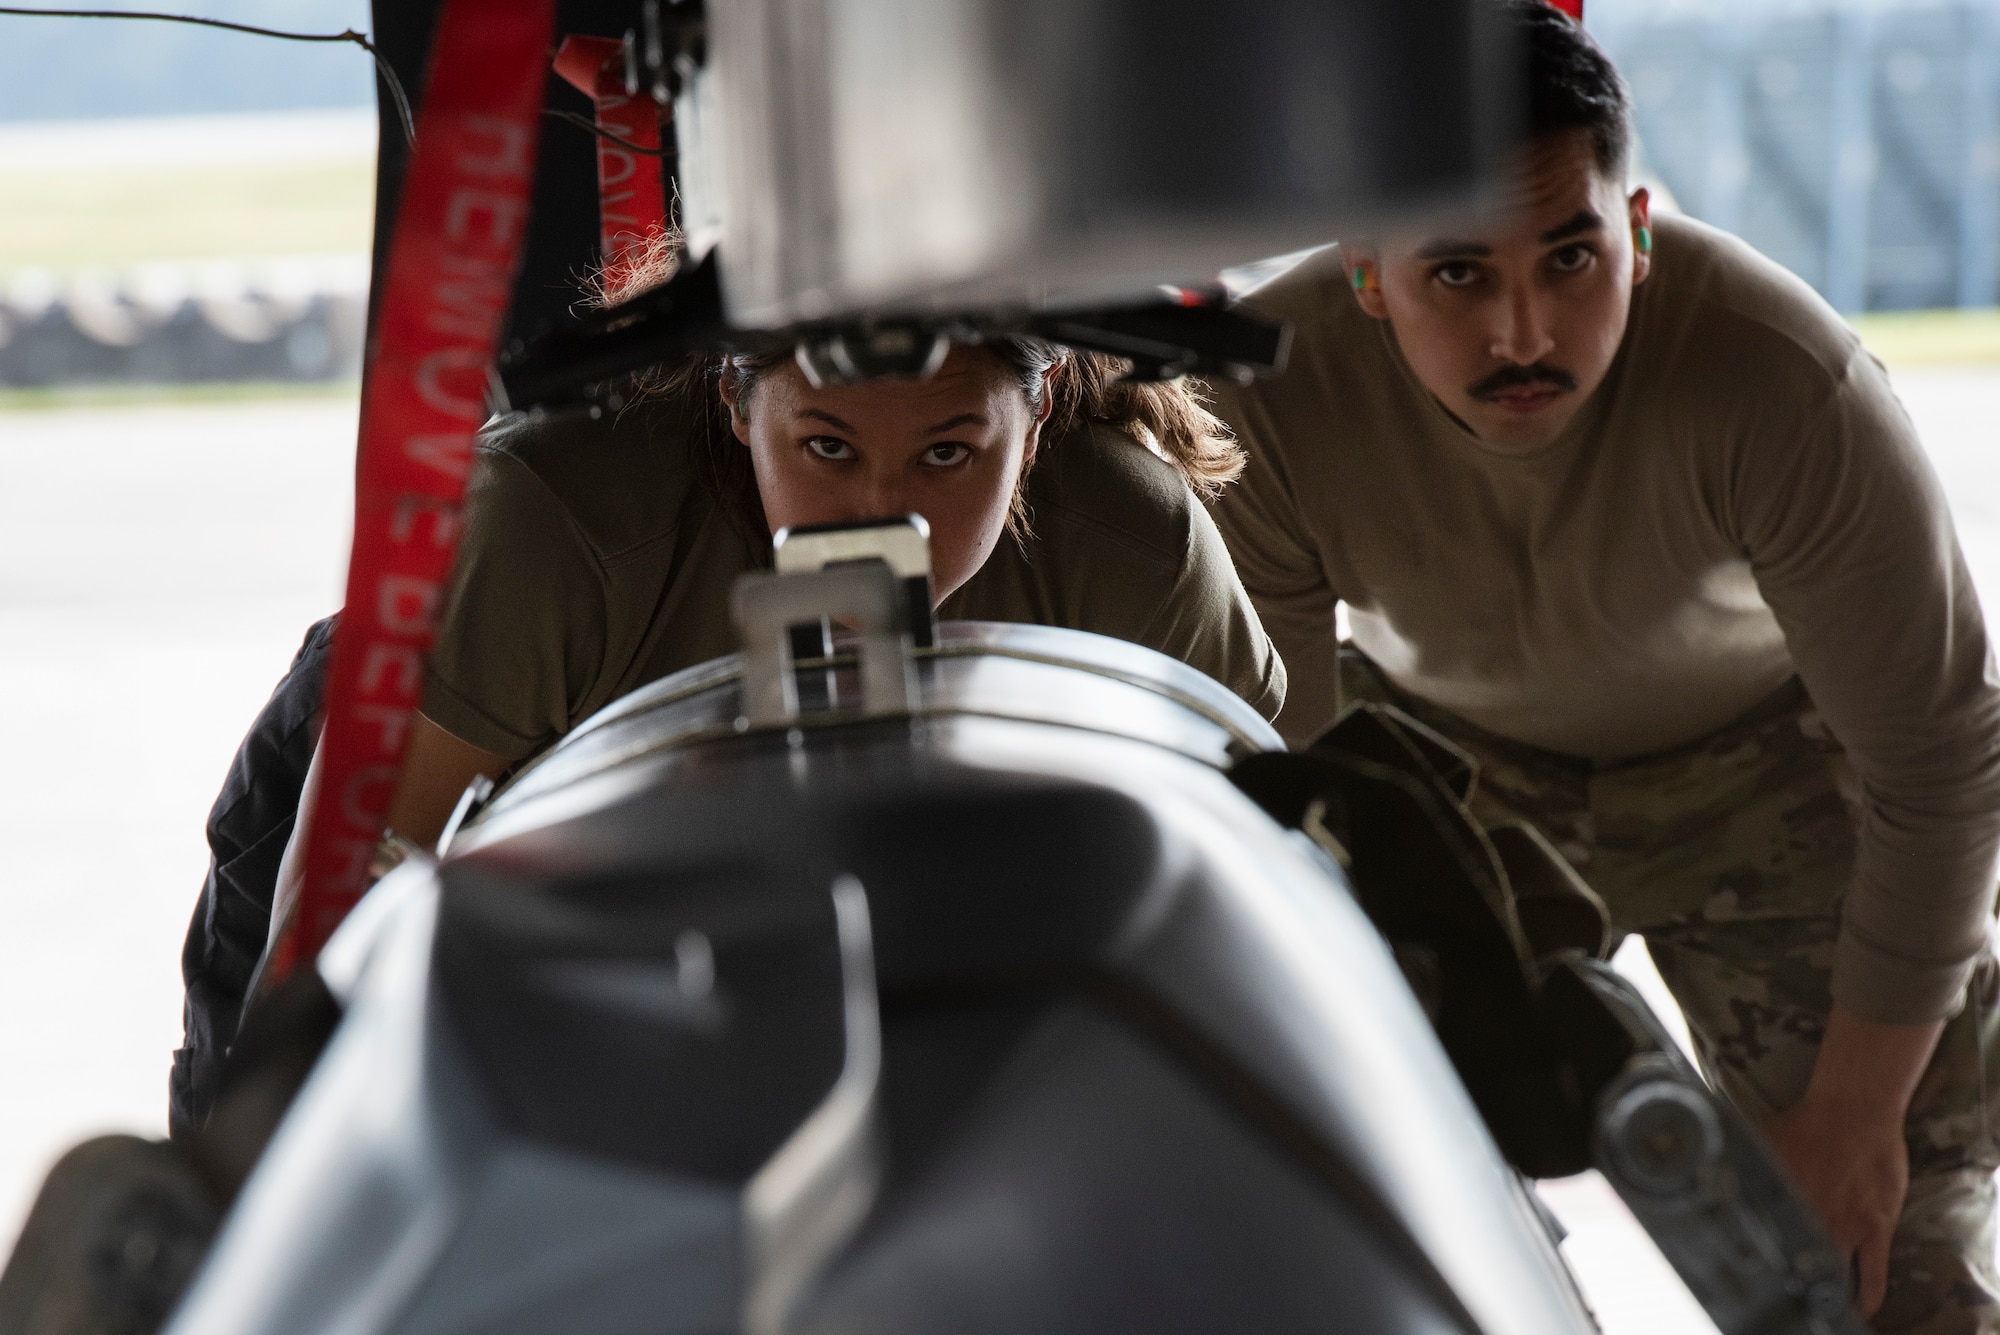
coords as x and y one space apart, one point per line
1730 857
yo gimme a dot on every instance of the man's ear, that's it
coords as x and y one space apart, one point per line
737 406
1364 276
1640 210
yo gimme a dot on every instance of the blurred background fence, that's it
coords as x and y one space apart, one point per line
169 324
223 247
182 204
1858 145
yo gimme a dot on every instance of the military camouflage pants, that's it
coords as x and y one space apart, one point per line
1730 857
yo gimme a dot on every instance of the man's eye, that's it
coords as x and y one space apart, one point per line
830 448
1571 259
947 456
1456 273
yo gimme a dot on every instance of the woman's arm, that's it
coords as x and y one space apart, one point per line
436 770
1275 555
435 774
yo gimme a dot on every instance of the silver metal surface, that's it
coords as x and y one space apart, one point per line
393 1202
1326 1022
390 1203
817 1188
766 607
1659 1136
884 156
905 544
978 669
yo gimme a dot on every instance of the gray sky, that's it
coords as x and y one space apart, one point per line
1639 10
61 69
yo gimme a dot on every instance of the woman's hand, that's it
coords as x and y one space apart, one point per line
1843 1142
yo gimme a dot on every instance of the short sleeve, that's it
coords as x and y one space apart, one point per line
1279 566
1209 623
523 626
1120 547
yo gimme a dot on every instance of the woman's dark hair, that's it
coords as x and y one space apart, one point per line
1172 418
1572 84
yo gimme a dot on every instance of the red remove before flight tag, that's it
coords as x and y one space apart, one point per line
459 231
631 191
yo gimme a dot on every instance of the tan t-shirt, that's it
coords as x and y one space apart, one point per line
1741 500
595 560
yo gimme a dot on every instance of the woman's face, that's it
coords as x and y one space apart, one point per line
950 448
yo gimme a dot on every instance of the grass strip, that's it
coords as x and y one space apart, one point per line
1932 338
57 398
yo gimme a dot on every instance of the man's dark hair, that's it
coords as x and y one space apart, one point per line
1572 84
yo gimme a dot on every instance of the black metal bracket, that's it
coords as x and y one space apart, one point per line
567 362
1174 337
1163 338
670 44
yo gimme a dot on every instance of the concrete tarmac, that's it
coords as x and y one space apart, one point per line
158 565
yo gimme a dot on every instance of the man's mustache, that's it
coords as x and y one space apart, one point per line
1520 377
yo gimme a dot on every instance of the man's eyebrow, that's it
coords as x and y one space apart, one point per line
1449 249
1584 221
827 418
963 419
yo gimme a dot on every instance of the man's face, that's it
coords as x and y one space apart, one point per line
1512 318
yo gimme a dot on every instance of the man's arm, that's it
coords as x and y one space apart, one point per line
1847 530
1852 544
1843 1141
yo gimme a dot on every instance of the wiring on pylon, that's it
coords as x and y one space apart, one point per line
584 122
395 85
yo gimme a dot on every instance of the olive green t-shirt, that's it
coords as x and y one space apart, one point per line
596 559
1740 501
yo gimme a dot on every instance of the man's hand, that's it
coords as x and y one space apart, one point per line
1843 1142
1854 1172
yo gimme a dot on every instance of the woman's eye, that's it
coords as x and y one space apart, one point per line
1456 273
829 448
947 456
1571 259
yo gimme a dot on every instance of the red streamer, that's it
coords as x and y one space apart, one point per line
459 232
631 189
